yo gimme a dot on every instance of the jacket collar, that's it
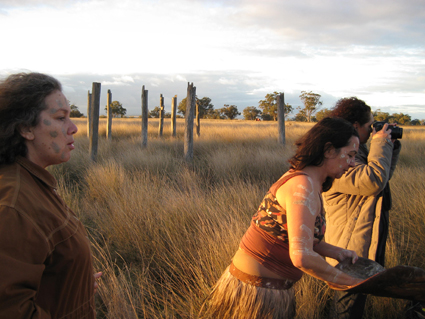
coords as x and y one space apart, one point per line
37 171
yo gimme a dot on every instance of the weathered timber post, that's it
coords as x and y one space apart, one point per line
188 128
198 123
109 114
280 101
144 117
161 115
173 115
94 121
88 112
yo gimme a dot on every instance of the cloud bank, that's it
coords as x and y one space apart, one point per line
234 51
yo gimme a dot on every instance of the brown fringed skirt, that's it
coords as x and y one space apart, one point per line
238 295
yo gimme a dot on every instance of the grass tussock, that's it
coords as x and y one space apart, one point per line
164 231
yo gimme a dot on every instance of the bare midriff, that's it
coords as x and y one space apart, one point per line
249 265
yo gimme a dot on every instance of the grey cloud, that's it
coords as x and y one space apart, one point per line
239 88
239 92
410 80
245 90
334 22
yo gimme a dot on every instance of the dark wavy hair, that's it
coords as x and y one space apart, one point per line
312 146
352 109
22 98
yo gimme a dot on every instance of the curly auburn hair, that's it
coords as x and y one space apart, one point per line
312 146
22 98
352 109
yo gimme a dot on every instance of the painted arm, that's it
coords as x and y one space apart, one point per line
302 207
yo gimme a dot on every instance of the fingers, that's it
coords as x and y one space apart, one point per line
353 256
347 254
98 275
384 133
386 129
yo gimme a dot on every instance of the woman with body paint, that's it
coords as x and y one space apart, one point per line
285 237
46 268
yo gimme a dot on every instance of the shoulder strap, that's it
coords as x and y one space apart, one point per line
273 189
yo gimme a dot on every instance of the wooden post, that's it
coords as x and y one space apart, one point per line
173 115
198 123
88 112
161 115
144 117
94 121
280 101
188 128
109 114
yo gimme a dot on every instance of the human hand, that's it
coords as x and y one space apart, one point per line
96 275
384 133
347 254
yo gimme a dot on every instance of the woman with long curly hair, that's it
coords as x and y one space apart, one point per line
46 268
284 240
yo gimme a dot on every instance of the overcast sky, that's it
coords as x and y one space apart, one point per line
234 51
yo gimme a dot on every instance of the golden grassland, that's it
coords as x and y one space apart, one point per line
163 231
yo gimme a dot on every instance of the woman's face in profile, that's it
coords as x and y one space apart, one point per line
51 140
344 158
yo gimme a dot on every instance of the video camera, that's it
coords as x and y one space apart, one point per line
396 132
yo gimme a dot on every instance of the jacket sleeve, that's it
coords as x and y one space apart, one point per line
22 252
371 173
395 156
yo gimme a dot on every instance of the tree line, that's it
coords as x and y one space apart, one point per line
117 110
267 110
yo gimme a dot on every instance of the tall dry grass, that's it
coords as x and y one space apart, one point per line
163 231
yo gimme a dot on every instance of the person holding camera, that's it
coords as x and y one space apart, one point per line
357 205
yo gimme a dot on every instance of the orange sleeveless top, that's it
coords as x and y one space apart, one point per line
266 240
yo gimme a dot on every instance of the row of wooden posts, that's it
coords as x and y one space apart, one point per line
93 107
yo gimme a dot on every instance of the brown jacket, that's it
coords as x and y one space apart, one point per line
46 266
353 205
